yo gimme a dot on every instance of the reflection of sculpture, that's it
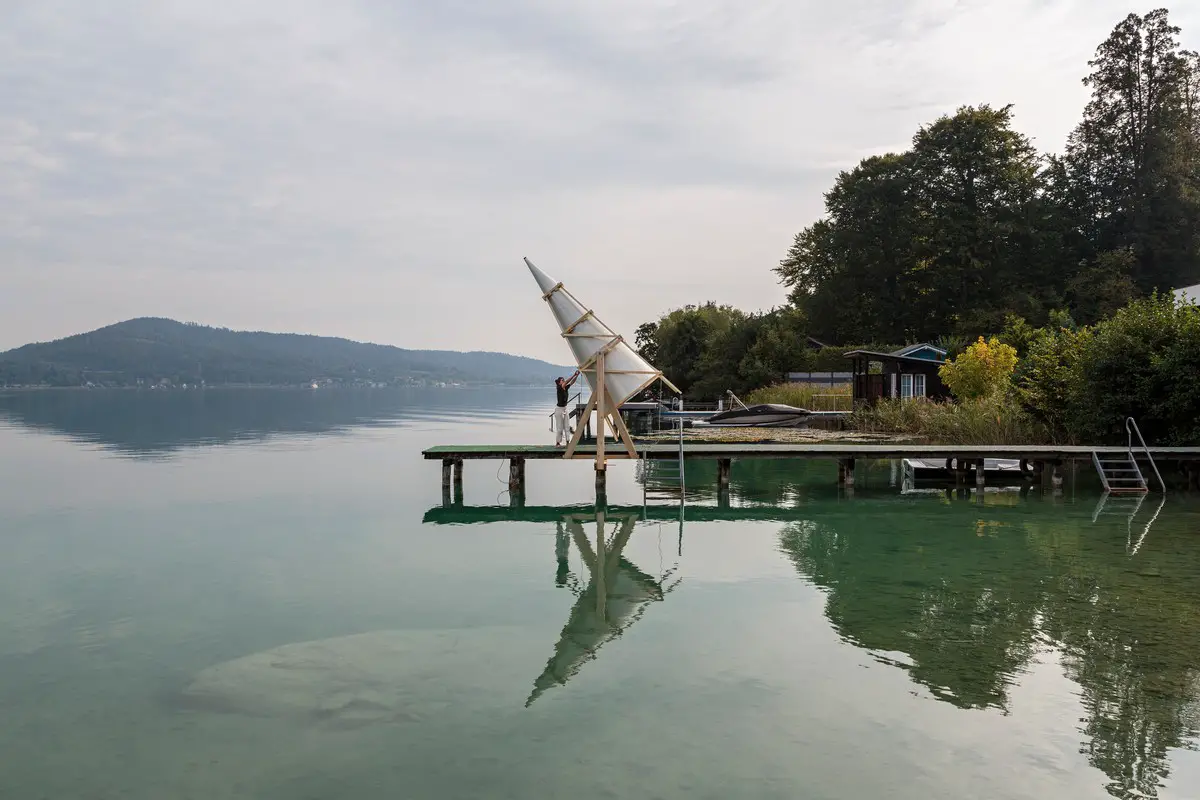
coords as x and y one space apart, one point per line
614 598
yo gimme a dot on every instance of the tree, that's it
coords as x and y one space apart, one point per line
645 339
982 370
708 349
847 271
944 238
1135 153
683 336
1102 287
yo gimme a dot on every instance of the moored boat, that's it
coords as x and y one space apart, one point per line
761 415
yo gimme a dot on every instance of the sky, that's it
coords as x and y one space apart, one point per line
377 169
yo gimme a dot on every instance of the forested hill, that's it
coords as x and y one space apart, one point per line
150 351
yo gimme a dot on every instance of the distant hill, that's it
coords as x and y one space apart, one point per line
150 351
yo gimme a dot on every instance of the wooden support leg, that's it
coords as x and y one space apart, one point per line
516 477
1056 477
960 473
848 473
447 471
980 476
458 480
602 410
723 474
601 487
622 433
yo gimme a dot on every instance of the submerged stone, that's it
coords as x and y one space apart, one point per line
381 677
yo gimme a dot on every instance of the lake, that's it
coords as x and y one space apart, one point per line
257 594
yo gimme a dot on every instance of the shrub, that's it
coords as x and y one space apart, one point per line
995 419
982 370
1142 362
803 395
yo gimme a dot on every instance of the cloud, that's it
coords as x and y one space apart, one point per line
377 169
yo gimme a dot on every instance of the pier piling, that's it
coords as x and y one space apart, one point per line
1044 464
516 476
846 472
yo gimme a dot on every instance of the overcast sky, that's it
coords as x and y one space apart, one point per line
377 169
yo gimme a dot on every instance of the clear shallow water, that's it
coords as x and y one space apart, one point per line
257 595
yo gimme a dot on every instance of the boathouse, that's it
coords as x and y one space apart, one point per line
903 374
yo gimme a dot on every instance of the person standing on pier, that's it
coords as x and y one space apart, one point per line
563 387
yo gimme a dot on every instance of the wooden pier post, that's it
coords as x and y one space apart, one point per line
447 470
723 474
1039 473
980 476
846 472
601 486
1056 477
516 476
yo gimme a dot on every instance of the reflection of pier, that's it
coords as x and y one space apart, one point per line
616 595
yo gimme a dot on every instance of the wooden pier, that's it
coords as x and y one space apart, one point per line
1038 462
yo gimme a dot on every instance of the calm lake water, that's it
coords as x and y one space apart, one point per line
257 594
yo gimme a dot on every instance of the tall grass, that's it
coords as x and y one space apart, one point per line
804 395
996 420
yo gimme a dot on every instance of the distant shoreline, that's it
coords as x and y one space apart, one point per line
260 386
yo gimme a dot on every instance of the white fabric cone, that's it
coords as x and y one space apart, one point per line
627 373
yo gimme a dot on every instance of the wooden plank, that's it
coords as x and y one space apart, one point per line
601 408
715 450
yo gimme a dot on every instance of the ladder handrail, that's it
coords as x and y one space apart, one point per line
1131 427
1101 473
682 484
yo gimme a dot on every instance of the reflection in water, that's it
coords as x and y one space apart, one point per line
965 597
157 423
615 597
966 614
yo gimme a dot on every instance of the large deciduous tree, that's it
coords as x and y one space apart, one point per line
921 243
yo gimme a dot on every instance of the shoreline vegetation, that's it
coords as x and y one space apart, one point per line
1048 278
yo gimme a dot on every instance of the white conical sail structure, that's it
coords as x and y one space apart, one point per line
625 372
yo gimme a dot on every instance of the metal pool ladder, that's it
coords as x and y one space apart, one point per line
1121 474
668 474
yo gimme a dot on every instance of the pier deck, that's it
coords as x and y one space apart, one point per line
1037 461
840 450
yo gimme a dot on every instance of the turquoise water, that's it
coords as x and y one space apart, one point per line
259 595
